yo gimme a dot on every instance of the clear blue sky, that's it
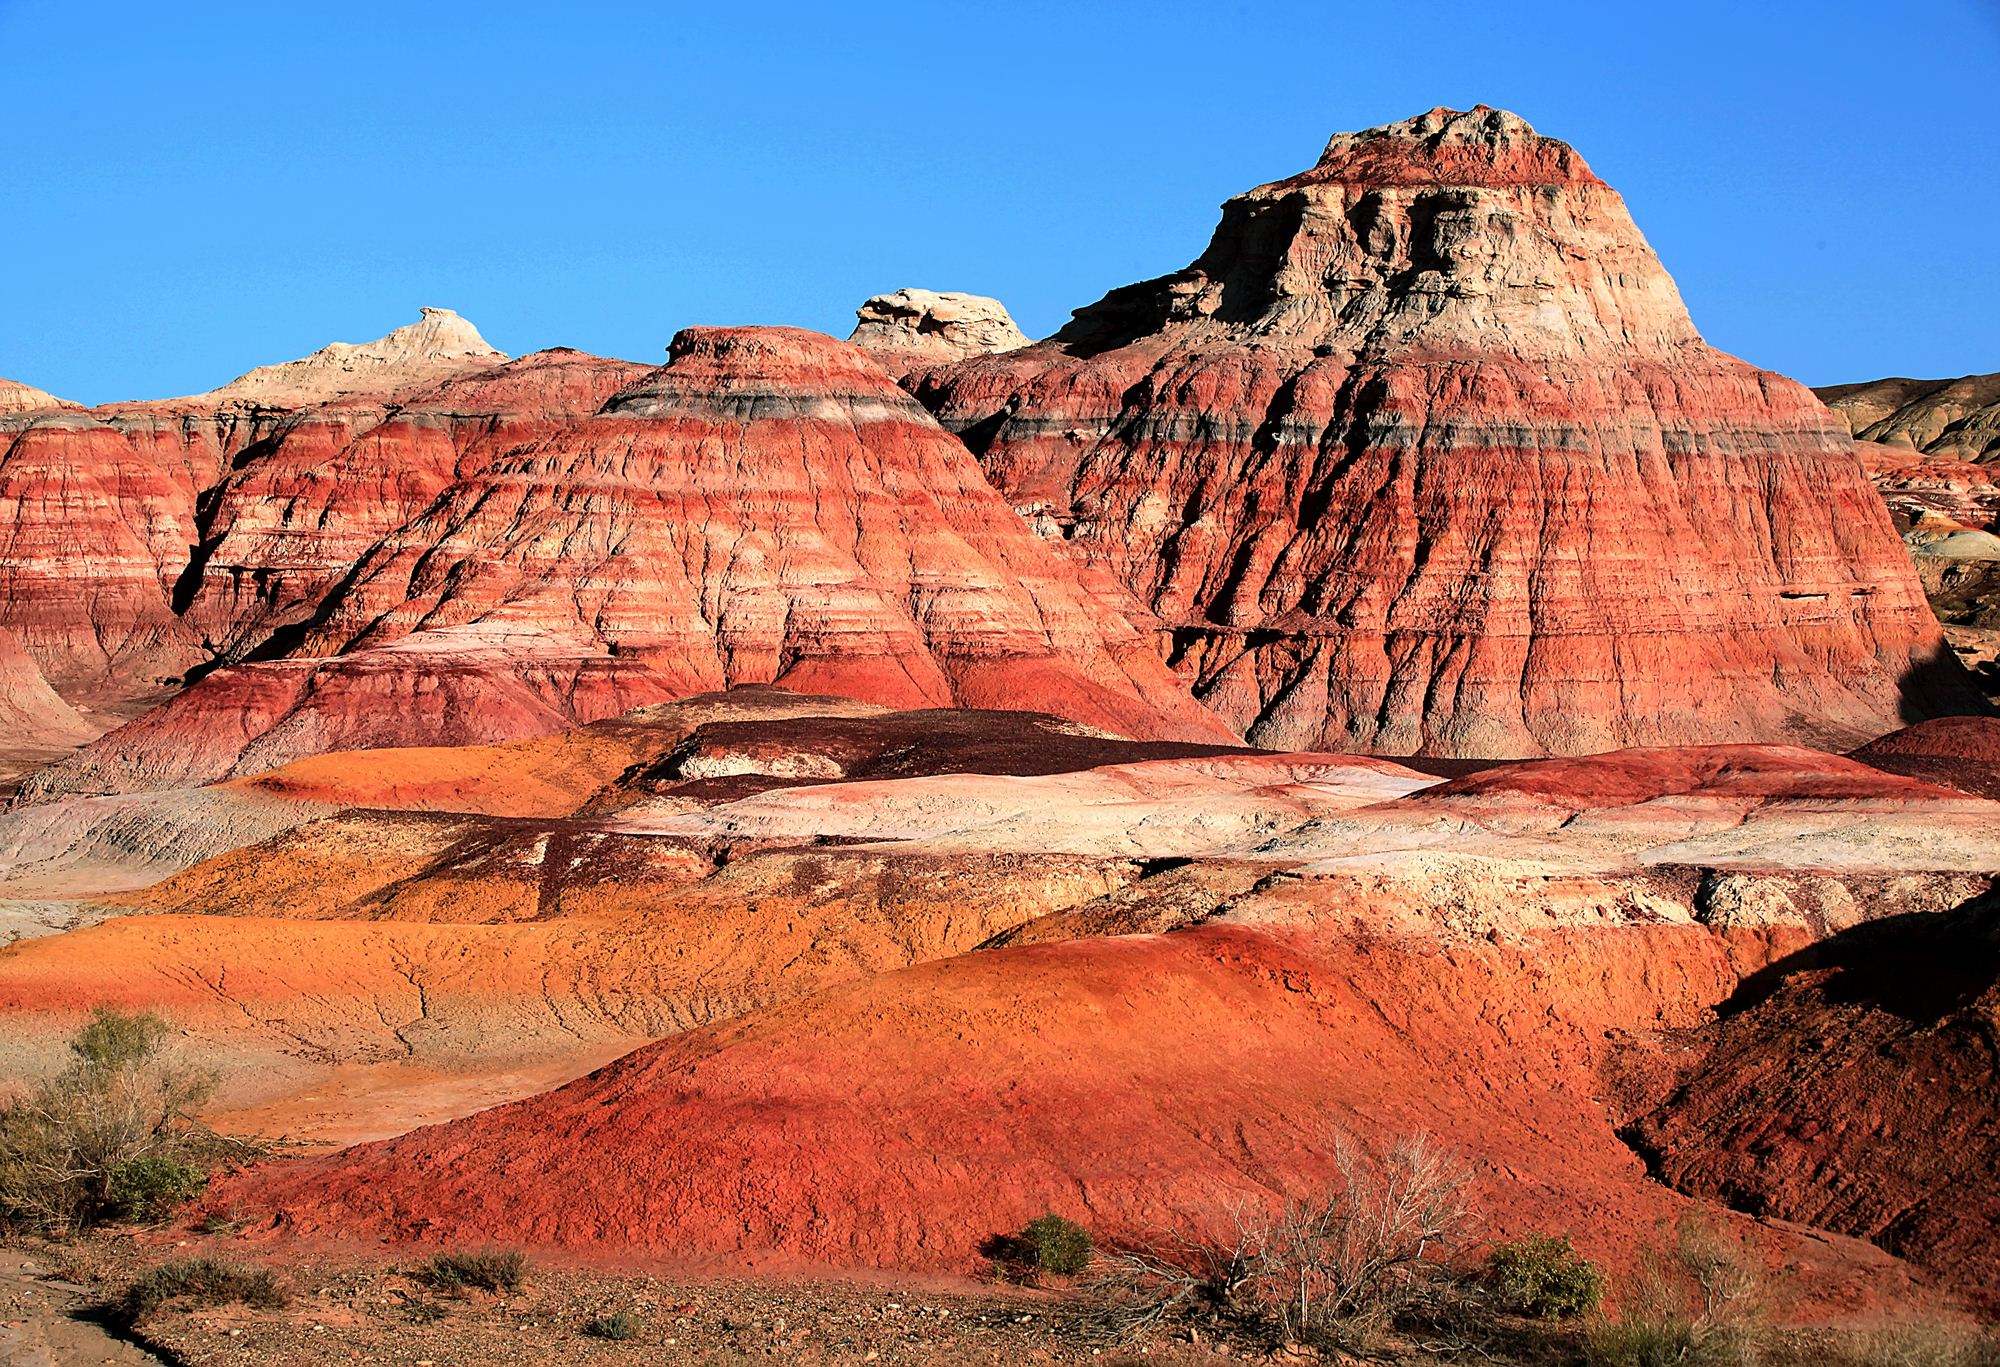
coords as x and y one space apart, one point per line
195 189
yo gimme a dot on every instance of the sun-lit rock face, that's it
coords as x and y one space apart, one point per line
16 397
438 345
767 506
1424 455
1948 419
109 517
523 549
920 327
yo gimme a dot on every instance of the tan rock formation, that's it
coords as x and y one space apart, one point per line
920 327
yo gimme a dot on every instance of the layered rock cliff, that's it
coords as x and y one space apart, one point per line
512 551
1424 455
109 516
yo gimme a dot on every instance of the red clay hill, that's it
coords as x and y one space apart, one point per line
1424 455
522 548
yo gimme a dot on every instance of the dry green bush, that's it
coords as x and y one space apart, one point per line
112 1136
199 1282
488 1269
1326 1269
1697 1301
1544 1278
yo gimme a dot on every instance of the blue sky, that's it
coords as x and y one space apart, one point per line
197 189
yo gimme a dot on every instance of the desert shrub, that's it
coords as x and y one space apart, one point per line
151 1187
199 1282
1696 1301
491 1269
1544 1278
617 1327
1328 1268
1059 1246
110 1136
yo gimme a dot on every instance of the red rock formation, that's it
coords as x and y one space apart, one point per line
102 512
284 525
766 507
93 529
1424 455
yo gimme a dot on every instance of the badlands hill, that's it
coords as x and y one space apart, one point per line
1424 455
547 540
719 814
1953 419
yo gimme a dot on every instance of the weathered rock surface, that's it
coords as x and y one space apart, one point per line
923 327
1424 455
35 723
1854 1086
1951 419
109 516
514 555
440 344
16 397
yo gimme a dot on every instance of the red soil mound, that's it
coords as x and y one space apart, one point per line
1625 778
1959 752
1138 1083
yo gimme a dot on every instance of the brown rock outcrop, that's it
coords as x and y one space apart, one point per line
439 345
1424 455
911 328
1951 419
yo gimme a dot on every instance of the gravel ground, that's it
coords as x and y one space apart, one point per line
342 1312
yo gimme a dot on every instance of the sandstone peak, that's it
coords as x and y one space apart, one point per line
914 325
16 397
1477 146
438 345
1424 453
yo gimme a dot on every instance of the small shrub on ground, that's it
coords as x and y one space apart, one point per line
111 1136
1327 1269
617 1327
1543 1278
492 1269
199 1282
152 1187
1060 1247
1696 1302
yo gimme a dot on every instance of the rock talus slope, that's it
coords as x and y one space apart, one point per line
1424 455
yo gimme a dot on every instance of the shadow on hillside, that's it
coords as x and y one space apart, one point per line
1940 686
1920 966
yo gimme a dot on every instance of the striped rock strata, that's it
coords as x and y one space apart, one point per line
1424 455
